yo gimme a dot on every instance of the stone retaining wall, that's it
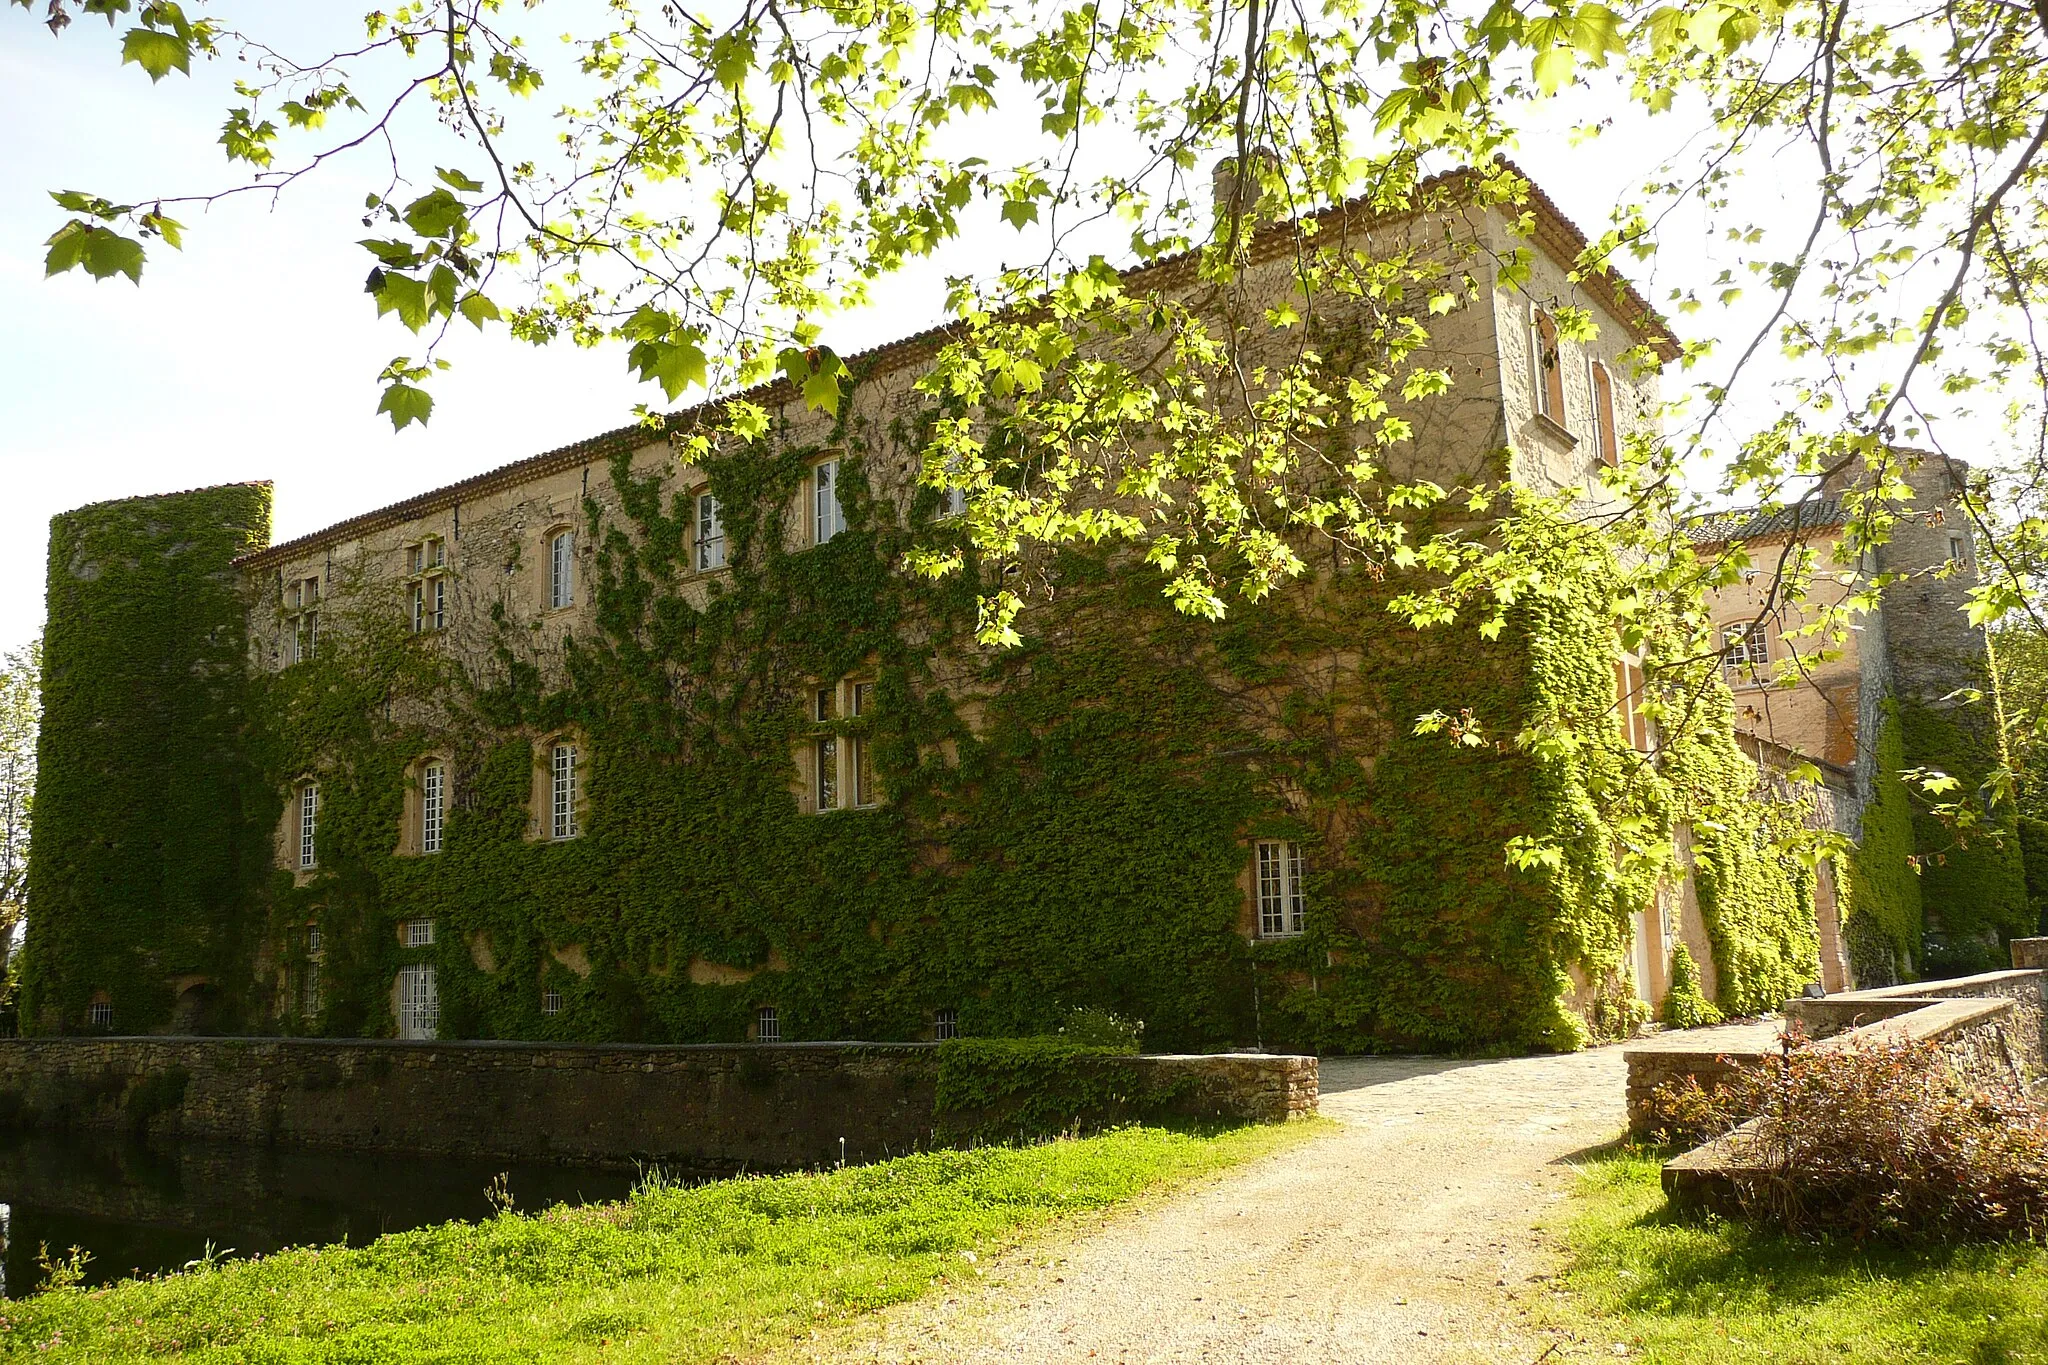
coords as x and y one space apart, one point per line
706 1108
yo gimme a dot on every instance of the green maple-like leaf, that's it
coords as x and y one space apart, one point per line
157 52
101 251
407 405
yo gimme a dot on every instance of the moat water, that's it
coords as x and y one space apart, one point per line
139 1209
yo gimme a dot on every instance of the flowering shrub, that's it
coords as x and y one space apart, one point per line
1875 1139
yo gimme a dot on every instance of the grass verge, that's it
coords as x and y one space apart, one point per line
671 1274
1682 1290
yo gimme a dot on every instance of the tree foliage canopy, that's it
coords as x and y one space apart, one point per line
711 184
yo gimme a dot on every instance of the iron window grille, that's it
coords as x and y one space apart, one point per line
551 1001
767 1025
419 933
945 1025
419 1002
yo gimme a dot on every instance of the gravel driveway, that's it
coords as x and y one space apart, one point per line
1404 1236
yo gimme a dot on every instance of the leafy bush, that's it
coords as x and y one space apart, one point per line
1685 1004
1089 1026
1875 1139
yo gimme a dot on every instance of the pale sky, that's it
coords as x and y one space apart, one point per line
252 354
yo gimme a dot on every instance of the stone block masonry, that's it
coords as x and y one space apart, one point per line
706 1109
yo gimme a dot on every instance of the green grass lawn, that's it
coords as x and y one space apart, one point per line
1680 1290
672 1274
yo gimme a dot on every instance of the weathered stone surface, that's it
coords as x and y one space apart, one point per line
712 1107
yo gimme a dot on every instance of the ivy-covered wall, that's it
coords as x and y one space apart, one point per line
1065 824
146 855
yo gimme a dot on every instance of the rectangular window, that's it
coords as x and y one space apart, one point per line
437 553
826 705
1546 372
563 792
310 1001
562 569
415 558
946 1024
953 502
1958 551
419 1002
1606 441
433 805
419 607
311 632
863 698
437 595
100 1014
828 772
419 933
1630 692
710 534
309 819
551 1001
827 520
1282 906
1745 653
863 775
312 940
767 1025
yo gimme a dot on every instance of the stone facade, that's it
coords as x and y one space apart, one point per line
493 578
706 1108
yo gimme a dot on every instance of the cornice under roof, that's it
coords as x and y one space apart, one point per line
1553 231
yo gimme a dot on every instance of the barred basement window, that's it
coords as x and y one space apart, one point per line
1282 907
309 819
767 1025
310 1001
433 804
710 533
419 933
562 790
827 520
100 1014
419 1002
562 569
551 1001
946 1024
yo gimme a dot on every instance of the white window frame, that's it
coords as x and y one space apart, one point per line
419 933
562 762
945 1025
1745 653
842 766
550 1000
562 569
419 608
433 805
1277 888
767 1025
309 824
710 533
828 518
439 593
419 1002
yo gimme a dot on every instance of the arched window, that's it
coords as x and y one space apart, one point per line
562 569
1548 371
1605 440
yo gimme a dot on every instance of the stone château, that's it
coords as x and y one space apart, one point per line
604 745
